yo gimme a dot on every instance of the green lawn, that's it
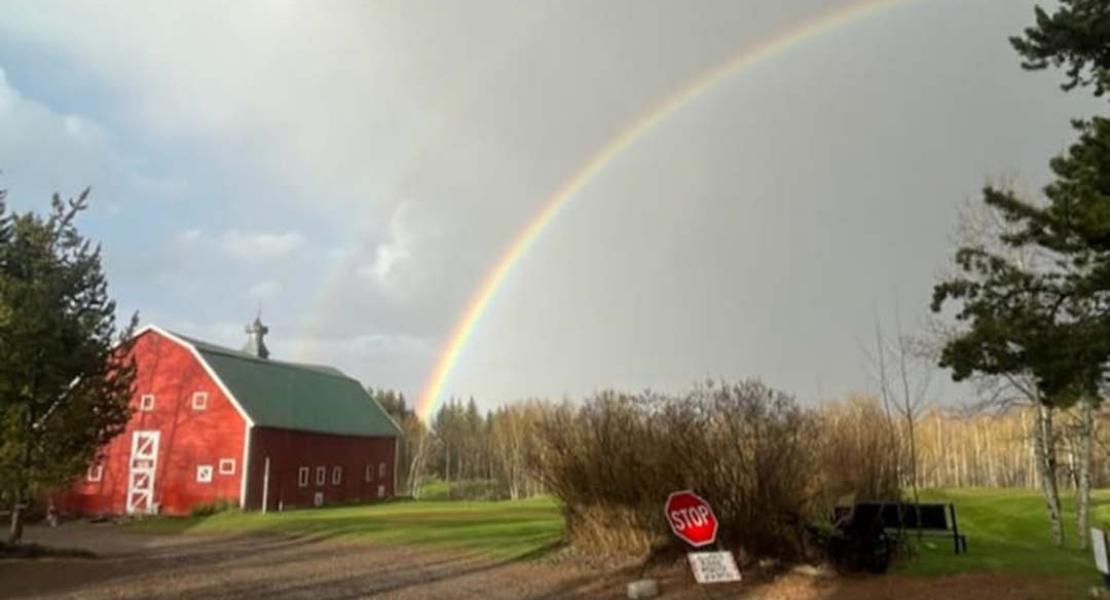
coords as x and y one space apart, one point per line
1008 532
500 529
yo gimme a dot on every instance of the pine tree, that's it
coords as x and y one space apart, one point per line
1076 36
1050 319
65 381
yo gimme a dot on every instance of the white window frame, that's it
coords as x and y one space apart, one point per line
336 475
200 400
369 472
227 466
381 491
204 473
94 473
321 475
146 402
302 477
381 470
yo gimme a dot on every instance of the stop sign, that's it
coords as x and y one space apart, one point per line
691 518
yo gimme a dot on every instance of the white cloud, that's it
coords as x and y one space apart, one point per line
260 245
392 254
45 151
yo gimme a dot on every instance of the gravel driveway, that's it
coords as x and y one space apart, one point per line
147 566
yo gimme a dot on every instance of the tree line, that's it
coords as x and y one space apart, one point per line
474 453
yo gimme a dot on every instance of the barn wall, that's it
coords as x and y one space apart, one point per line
290 450
188 437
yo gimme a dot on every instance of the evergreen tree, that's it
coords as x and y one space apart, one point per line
1077 37
1050 319
65 381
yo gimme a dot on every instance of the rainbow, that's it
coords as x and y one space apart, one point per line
645 121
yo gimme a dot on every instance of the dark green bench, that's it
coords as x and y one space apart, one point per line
934 519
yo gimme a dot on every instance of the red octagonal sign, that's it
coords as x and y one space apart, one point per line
691 518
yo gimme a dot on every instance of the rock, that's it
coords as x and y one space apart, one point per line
644 588
811 571
767 564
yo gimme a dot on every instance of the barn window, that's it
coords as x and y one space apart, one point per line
204 473
200 400
302 477
321 475
381 491
381 470
369 473
227 466
146 402
95 473
336 475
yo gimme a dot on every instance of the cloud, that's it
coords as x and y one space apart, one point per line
738 237
46 151
255 246
392 255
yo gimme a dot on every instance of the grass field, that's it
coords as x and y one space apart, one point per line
1008 533
1007 530
501 529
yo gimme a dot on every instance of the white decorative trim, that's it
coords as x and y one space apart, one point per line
381 470
200 400
229 463
302 477
321 475
142 466
146 402
94 473
247 430
337 475
248 434
203 363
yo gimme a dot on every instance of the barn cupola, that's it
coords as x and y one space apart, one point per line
255 344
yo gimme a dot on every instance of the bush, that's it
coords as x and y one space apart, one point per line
859 452
761 461
467 489
207 509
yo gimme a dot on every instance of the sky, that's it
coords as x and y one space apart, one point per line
355 169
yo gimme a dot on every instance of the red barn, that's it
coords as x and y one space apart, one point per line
213 424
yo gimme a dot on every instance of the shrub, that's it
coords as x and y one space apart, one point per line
746 448
765 464
859 451
476 489
207 509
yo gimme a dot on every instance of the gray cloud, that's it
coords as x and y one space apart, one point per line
390 152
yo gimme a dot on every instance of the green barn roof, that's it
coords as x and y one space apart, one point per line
296 396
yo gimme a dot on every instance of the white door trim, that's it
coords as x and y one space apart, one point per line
141 467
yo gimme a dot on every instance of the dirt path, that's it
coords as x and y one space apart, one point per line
132 565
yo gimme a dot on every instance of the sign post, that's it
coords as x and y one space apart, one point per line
692 520
1098 547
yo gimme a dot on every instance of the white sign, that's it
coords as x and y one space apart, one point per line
1098 546
713 567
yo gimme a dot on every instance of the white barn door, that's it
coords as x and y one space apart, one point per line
140 479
